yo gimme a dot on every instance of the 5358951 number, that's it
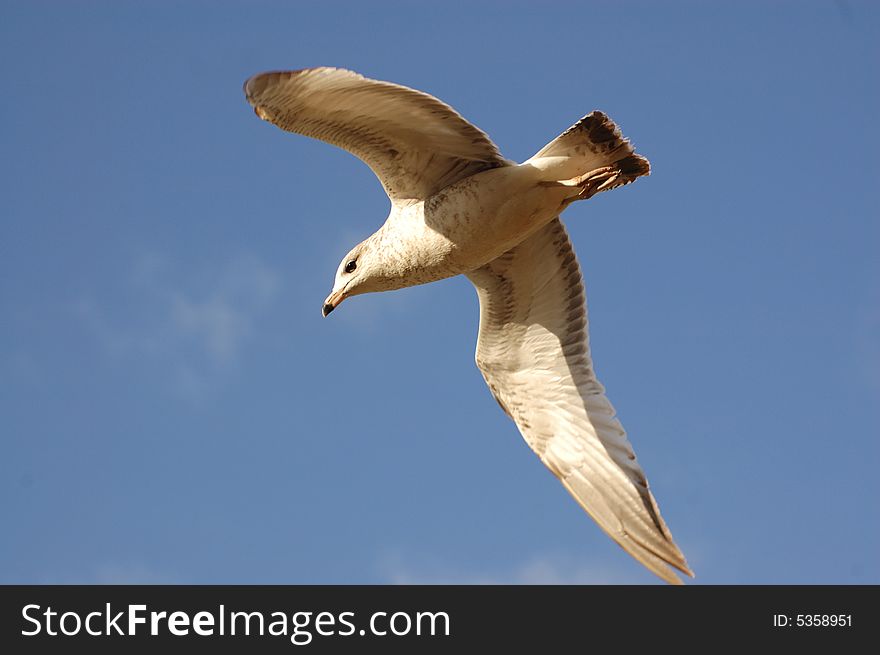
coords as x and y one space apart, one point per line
823 620
812 620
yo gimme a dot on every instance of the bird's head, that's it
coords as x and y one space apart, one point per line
360 271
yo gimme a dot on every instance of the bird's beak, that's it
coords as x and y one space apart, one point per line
333 301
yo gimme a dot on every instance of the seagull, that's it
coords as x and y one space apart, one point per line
458 207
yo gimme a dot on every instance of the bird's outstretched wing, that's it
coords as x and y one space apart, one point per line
533 351
415 144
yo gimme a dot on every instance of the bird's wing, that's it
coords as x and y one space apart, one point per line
533 351
415 144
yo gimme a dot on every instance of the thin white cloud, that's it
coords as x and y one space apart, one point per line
195 323
552 569
126 574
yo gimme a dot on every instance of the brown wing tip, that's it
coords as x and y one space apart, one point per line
680 563
257 84
604 136
633 166
601 129
254 86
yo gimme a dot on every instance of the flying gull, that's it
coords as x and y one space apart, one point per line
459 207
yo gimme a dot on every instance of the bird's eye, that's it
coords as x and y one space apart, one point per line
350 266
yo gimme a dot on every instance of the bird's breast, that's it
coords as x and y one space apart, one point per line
483 216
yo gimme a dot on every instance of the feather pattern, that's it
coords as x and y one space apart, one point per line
414 143
533 351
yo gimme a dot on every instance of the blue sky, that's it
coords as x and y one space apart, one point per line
175 409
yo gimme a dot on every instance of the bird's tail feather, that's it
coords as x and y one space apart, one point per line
591 148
